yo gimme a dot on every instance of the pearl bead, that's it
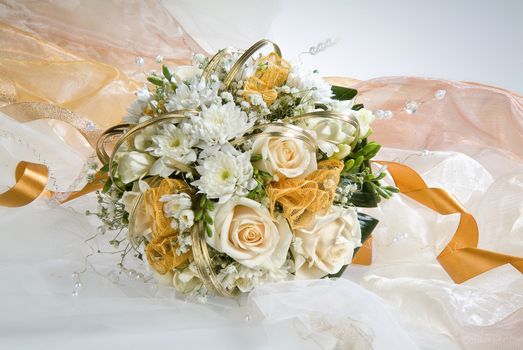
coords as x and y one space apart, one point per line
78 285
75 275
74 293
247 317
139 276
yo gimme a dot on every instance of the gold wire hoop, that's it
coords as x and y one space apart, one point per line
101 152
278 130
245 57
203 262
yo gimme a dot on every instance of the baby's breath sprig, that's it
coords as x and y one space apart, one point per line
205 206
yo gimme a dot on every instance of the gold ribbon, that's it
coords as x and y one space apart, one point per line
161 250
303 199
461 258
31 179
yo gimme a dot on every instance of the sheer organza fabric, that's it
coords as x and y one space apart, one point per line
473 139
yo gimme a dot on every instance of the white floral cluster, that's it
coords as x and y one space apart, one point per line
229 183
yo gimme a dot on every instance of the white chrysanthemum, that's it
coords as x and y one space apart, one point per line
137 108
170 144
219 124
309 83
225 174
196 94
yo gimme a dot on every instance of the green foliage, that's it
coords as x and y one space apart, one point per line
342 93
202 213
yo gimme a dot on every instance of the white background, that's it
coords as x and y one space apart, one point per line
467 40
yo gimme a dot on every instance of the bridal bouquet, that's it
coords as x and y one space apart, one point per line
240 170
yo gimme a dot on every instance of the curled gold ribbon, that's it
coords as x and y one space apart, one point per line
461 258
31 179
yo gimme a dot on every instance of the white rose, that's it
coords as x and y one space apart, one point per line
133 165
327 245
330 134
365 118
246 231
287 156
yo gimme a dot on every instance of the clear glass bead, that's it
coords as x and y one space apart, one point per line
159 59
425 153
247 318
411 107
139 61
75 275
74 293
440 94
388 114
90 126
77 285
131 273
139 276
380 114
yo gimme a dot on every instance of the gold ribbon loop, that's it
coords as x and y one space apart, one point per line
461 258
31 179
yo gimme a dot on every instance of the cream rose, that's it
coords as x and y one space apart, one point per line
287 156
133 165
327 245
246 231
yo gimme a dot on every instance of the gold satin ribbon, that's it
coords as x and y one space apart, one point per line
461 258
31 179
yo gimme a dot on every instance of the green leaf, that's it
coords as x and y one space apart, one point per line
155 80
203 199
365 198
105 168
208 230
198 215
392 189
342 93
107 185
166 73
357 107
367 225
256 157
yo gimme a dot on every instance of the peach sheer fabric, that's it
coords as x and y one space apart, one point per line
81 56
